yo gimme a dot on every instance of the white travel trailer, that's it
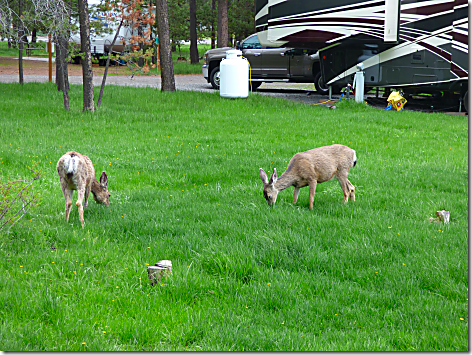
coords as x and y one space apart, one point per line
100 42
413 45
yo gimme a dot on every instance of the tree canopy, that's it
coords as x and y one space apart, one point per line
240 19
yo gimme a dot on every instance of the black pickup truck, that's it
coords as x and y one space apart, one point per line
268 64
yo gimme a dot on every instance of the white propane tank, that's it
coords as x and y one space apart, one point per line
234 75
359 82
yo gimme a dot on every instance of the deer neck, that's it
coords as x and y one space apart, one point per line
284 181
96 187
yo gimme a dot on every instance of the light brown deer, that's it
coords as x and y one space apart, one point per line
311 167
76 172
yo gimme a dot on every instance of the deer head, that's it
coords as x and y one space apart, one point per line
270 192
100 190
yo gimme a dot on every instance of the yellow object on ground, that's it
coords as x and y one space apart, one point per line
397 100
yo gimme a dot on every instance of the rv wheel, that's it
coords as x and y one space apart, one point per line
320 86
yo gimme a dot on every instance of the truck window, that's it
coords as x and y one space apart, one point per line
251 43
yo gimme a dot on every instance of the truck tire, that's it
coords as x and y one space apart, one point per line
215 78
320 87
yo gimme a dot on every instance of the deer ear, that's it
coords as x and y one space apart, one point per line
263 176
273 177
104 179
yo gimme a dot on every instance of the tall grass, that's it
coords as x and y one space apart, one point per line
370 275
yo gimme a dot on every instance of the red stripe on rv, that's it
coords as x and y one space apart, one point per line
344 20
460 2
461 73
436 50
459 37
430 10
311 36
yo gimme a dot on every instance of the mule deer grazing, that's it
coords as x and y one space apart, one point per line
311 167
76 172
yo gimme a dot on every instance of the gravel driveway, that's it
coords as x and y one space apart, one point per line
293 91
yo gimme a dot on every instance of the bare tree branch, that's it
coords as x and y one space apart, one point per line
108 64
16 199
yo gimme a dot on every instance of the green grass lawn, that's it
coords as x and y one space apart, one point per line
370 275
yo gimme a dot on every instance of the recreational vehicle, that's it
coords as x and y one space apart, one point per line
419 46
100 42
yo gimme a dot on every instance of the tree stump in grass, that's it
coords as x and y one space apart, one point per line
161 268
443 216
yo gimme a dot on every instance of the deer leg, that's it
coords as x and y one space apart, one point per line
351 190
311 196
80 198
344 182
295 194
87 194
345 193
346 186
67 197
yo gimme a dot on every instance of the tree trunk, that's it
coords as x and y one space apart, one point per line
193 32
141 48
59 67
106 67
20 45
87 72
222 38
173 47
213 25
64 42
62 72
165 54
33 36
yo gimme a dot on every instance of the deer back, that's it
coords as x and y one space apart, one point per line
321 163
76 169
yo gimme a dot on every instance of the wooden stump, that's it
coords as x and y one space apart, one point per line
161 268
443 216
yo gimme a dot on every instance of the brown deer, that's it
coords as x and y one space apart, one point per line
76 172
311 167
